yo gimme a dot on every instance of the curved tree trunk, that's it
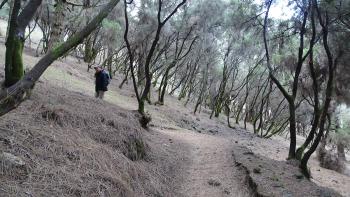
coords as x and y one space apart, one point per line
11 97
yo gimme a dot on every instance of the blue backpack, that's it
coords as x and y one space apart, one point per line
108 77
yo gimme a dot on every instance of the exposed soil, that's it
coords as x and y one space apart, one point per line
185 154
267 177
209 168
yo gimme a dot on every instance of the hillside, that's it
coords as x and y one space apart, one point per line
75 145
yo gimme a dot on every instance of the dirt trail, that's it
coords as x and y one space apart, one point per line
210 169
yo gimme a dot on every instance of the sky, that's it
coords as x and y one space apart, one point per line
279 9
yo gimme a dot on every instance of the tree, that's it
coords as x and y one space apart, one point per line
179 54
58 23
301 58
12 96
143 96
14 69
332 64
316 86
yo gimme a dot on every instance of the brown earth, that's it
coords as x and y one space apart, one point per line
75 145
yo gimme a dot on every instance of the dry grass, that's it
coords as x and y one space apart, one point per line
74 145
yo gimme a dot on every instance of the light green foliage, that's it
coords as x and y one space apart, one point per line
112 31
110 24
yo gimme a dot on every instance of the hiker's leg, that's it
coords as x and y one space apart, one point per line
101 94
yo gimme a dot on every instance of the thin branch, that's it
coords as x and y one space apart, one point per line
3 3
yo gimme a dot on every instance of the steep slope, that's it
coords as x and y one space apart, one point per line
75 145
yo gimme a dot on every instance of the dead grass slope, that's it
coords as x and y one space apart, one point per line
75 145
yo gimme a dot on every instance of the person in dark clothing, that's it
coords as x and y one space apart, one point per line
101 83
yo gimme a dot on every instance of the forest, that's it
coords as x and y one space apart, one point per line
277 69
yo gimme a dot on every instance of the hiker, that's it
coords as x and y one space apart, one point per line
102 81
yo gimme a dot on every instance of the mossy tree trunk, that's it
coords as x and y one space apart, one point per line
14 69
58 24
11 97
12 43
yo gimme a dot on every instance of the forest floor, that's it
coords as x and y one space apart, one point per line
189 155
209 165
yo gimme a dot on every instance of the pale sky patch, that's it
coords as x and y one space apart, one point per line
279 9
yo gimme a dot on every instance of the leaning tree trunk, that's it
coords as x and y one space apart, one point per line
11 97
165 84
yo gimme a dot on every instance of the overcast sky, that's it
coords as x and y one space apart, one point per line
281 10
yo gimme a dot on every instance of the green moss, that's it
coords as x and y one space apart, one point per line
110 24
141 108
8 101
305 171
140 148
300 152
14 70
57 50
90 52
136 149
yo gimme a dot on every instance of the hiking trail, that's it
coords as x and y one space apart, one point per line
210 169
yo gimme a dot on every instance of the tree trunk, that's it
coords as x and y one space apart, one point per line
110 62
164 85
57 26
11 97
13 59
88 53
329 91
292 130
340 150
14 70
